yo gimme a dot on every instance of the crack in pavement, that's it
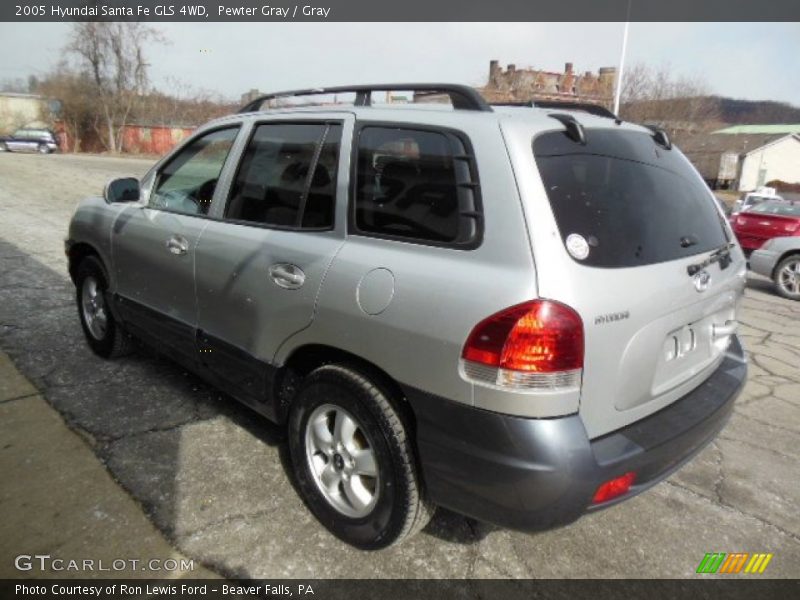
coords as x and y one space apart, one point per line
734 509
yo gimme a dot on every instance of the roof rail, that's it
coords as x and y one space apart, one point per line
593 109
461 96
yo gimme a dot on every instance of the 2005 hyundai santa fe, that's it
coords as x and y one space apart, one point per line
522 314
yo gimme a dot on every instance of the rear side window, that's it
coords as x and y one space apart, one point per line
416 185
287 177
631 201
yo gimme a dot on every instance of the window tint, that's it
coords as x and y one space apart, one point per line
633 203
407 186
187 182
275 184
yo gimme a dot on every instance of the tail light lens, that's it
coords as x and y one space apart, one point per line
534 345
614 488
792 227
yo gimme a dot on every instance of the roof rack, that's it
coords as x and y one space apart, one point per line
461 96
593 109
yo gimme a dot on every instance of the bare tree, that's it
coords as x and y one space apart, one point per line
677 103
78 111
112 56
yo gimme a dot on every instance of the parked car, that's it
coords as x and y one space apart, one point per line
523 314
42 141
771 219
779 259
751 199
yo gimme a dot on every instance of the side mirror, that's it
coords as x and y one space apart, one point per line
125 189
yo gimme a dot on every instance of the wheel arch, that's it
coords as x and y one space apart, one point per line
304 359
77 252
783 257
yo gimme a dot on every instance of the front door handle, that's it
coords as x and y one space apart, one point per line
178 245
287 276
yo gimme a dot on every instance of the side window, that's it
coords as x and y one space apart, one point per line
416 185
287 177
187 183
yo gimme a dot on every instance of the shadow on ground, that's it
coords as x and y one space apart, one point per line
204 467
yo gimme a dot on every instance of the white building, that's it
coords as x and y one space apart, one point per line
776 160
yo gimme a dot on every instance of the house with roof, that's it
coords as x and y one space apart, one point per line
745 157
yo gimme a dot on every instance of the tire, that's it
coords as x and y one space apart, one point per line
787 277
391 505
104 335
3 147
43 149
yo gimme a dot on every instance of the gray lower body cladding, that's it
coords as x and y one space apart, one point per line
533 474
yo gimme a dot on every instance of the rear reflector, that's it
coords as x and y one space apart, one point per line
534 345
614 488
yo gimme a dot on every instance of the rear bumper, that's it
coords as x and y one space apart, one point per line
534 474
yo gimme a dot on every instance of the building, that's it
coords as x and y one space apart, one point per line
746 157
149 138
523 85
21 110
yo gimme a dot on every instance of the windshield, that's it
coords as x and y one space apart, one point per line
623 201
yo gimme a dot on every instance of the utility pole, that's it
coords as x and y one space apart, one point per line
618 92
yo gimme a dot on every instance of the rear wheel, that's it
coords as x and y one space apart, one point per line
353 459
3 147
104 335
43 149
787 277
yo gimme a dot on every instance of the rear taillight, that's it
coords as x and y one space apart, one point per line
791 227
537 345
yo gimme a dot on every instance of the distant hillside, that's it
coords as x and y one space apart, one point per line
763 112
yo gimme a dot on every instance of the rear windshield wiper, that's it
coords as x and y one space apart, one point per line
722 255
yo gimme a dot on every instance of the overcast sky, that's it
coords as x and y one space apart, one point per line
759 61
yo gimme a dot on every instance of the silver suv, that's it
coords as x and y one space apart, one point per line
522 314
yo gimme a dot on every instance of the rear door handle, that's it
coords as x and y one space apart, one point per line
178 245
287 276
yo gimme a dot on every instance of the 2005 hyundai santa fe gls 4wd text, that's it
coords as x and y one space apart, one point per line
522 314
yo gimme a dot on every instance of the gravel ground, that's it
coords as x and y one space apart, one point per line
211 474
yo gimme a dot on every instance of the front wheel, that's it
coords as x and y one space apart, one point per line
353 459
104 335
787 277
43 149
3 147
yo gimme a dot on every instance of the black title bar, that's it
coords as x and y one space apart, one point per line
400 10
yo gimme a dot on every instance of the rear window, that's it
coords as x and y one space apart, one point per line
623 201
785 209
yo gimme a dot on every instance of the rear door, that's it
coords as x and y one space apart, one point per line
260 263
621 227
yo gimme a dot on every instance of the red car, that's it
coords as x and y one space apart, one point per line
771 219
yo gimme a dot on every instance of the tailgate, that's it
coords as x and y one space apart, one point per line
628 218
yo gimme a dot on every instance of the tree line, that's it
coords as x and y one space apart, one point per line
102 84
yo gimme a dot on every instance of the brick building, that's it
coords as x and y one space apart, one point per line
522 85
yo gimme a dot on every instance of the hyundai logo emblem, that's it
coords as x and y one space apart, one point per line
701 281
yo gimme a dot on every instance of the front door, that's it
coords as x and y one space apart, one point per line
154 242
260 265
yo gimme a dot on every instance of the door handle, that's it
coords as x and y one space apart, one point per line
287 276
177 245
